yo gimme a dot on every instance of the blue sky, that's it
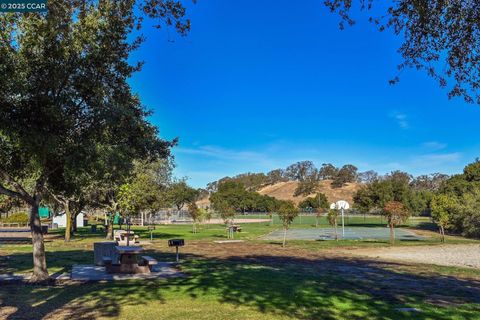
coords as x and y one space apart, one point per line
258 85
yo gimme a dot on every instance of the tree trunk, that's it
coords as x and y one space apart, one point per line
129 223
40 272
336 233
109 235
68 219
284 237
392 234
316 221
74 222
442 233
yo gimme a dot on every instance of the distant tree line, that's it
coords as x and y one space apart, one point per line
235 196
305 173
453 202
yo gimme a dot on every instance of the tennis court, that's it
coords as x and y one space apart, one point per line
351 233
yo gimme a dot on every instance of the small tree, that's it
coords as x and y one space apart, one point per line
395 213
287 212
127 204
322 202
226 211
441 210
332 220
319 203
195 213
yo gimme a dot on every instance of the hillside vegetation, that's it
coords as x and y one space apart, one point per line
286 191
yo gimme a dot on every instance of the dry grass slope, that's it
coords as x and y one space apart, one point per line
285 191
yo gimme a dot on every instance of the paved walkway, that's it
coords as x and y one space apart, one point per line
84 272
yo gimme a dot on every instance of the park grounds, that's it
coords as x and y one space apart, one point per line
258 279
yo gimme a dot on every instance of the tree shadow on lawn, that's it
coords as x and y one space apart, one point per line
317 288
60 261
86 233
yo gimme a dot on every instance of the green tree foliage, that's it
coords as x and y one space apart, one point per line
348 173
234 195
229 193
150 181
431 182
196 215
301 171
8 203
464 190
226 211
442 209
287 212
327 172
368 176
472 171
127 200
179 194
373 197
457 185
319 203
18 217
332 218
251 181
467 219
439 37
146 189
396 213
306 187
65 99
276 176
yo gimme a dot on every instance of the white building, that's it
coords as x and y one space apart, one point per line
61 220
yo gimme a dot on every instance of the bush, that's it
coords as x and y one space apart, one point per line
19 217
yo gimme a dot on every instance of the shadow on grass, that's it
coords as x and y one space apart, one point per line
429 226
86 233
316 288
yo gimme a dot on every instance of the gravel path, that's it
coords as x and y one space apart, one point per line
459 255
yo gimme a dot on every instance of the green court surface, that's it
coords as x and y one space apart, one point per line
355 233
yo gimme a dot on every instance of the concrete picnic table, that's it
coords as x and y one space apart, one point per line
128 258
128 254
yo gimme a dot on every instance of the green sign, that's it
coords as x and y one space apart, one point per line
23 6
44 212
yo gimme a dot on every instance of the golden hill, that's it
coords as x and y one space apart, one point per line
285 191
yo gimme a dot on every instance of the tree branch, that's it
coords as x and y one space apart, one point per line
10 193
20 191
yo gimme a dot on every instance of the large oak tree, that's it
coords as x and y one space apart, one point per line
65 99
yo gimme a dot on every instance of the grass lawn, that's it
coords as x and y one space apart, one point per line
251 280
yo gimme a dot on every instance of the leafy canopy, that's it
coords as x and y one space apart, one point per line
287 212
439 37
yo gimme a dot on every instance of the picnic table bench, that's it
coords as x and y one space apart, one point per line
235 228
129 261
121 237
149 261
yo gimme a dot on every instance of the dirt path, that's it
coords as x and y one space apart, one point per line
455 255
